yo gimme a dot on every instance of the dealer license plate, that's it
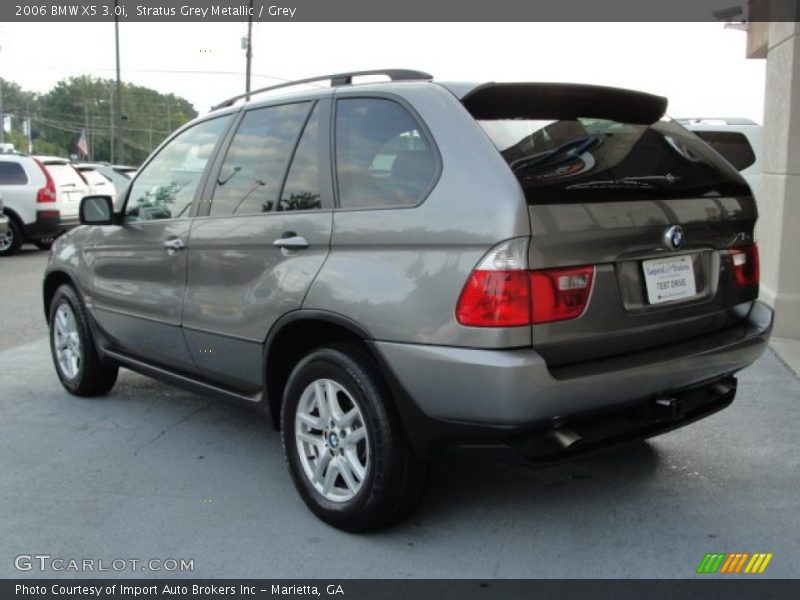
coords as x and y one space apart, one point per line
669 279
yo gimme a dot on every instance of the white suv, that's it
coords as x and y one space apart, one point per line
41 196
737 140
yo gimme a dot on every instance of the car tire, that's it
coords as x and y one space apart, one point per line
12 241
72 346
356 469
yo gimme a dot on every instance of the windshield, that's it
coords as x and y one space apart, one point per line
583 159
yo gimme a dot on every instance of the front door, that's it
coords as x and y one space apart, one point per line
140 266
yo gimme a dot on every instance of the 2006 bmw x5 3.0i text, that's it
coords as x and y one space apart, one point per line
390 268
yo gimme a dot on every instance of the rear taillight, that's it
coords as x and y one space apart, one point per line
746 269
560 294
495 299
501 292
497 293
48 192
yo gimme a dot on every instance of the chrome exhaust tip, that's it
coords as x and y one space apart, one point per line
564 437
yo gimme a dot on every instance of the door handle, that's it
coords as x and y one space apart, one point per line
292 242
174 244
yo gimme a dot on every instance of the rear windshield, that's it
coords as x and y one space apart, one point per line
580 160
64 174
94 177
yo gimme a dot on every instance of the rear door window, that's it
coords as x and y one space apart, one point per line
307 186
732 145
12 173
383 158
584 159
251 175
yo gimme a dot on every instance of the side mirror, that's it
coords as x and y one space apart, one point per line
97 210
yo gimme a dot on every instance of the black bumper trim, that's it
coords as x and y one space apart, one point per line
633 421
49 225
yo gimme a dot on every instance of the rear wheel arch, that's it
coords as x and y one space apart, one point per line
294 336
12 214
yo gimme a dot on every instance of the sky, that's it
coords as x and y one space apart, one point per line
700 67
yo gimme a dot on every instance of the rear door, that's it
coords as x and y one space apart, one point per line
652 209
257 246
139 266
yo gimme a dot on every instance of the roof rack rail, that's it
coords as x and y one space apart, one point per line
336 80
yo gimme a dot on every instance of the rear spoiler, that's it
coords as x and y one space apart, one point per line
562 101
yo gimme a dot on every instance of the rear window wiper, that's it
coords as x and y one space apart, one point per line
644 182
563 153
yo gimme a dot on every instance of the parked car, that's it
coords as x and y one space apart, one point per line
390 268
3 222
737 140
98 183
119 175
41 196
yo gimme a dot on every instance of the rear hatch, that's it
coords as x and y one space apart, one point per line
71 187
613 185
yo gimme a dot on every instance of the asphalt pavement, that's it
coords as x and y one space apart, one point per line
152 472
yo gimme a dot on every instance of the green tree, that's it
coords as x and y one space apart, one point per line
86 103
18 104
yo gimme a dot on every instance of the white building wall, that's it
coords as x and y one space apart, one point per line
778 230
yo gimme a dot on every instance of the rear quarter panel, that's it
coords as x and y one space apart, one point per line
398 272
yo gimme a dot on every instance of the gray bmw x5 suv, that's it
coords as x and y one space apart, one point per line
388 269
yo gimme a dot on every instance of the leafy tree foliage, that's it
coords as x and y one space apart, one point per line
86 103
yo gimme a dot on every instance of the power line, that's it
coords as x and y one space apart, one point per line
79 127
167 71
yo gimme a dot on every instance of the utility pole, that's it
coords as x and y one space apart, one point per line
29 127
111 122
249 49
86 126
2 114
2 117
118 99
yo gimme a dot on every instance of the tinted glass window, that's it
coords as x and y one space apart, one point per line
166 186
586 159
251 176
12 173
382 158
95 179
732 145
304 185
65 175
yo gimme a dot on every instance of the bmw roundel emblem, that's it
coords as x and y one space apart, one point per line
673 237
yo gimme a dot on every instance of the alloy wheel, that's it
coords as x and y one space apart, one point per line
7 240
331 438
67 342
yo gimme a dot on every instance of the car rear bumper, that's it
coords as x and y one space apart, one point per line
512 391
49 224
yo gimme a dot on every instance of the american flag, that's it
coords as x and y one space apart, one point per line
81 145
